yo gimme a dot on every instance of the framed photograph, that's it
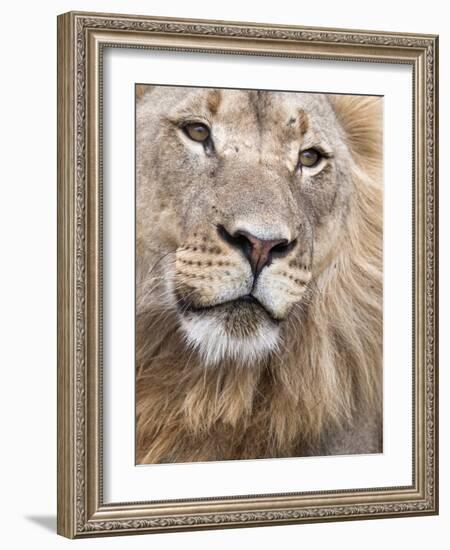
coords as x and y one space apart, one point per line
247 276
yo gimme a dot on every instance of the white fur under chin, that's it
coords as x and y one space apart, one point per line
208 337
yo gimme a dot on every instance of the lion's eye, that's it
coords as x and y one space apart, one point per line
309 157
197 131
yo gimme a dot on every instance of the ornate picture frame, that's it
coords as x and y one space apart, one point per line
82 40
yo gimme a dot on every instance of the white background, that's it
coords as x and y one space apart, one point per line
28 275
123 482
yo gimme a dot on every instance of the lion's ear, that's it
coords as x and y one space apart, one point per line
361 118
142 90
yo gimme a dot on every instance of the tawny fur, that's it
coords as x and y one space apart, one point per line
320 391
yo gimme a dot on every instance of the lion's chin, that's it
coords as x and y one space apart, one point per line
242 333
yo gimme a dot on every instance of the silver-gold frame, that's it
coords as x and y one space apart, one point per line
81 40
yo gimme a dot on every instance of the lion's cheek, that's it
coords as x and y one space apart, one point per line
278 290
204 280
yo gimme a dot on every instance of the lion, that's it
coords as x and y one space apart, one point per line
259 244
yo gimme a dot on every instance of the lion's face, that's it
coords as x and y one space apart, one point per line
242 200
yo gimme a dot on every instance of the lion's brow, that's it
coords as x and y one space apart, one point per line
213 101
303 120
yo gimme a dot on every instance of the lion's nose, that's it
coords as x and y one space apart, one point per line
259 252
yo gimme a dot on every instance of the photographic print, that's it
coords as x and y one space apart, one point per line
247 274
259 274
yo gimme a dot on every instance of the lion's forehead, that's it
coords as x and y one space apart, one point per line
250 112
